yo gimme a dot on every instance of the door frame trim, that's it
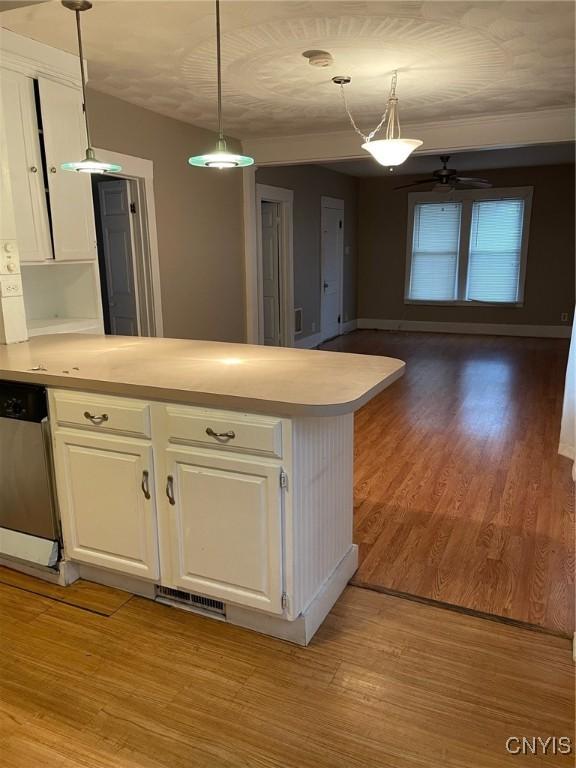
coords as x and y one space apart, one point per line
285 199
140 174
332 203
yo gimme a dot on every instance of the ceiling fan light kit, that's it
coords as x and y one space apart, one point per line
393 150
90 163
220 158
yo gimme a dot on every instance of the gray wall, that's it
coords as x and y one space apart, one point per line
310 183
382 227
199 218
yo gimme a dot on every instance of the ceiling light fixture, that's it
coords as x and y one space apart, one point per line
221 157
90 164
393 150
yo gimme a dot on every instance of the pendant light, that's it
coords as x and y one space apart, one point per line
393 150
221 157
90 164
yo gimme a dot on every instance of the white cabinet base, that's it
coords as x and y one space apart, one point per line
303 628
299 631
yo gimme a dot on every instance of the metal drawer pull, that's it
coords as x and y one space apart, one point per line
146 484
170 490
34 169
221 435
53 169
96 419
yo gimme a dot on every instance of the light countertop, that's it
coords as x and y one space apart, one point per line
273 380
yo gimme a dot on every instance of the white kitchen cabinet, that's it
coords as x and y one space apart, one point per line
25 164
107 501
223 515
70 193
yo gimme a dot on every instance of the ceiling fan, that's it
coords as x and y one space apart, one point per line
448 178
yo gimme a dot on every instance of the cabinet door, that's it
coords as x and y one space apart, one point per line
225 528
70 193
25 166
107 503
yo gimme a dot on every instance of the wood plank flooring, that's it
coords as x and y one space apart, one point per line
460 495
83 594
386 683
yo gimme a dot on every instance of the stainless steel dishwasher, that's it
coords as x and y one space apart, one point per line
29 529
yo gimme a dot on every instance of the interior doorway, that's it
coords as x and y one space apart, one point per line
274 206
271 289
114 211
332 265
125 218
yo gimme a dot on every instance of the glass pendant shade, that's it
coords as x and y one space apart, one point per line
391 152
220 158
91 164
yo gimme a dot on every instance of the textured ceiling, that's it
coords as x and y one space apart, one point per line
455 59
542 154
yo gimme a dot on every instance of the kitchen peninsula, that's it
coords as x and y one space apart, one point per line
211 475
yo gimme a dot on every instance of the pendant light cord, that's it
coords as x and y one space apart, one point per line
390 111
219 71
83 76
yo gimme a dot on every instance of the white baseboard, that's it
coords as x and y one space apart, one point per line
348 327
308 342
494 329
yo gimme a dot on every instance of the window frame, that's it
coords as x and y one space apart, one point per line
468 197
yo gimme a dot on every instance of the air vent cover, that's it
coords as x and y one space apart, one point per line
196 602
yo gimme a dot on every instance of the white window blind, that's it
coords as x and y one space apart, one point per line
435 247
495 250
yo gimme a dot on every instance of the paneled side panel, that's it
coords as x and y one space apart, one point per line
322 499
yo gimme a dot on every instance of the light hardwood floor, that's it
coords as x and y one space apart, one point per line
386 683
460 495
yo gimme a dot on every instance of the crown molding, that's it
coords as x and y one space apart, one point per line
33 59
455 135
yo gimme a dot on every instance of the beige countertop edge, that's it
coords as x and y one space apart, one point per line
203 399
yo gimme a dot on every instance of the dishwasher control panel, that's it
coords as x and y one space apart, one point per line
25 402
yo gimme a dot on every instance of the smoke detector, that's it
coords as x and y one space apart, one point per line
319 58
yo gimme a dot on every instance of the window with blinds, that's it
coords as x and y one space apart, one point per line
435 246
468 249
495 250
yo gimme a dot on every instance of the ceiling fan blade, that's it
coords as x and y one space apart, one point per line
416 183
473 182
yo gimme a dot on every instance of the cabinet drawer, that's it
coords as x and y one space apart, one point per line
101 413
225 430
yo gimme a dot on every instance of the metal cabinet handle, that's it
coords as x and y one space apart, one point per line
53 169
170 490
146 484
96 419
33 169
230 435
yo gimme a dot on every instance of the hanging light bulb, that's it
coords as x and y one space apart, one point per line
221 157
90 163
393 150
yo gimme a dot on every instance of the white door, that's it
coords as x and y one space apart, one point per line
107 502
271 272
118 257
225 520
332 247
25 164
70 193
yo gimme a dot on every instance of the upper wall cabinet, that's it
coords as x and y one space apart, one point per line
70 193
25 166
